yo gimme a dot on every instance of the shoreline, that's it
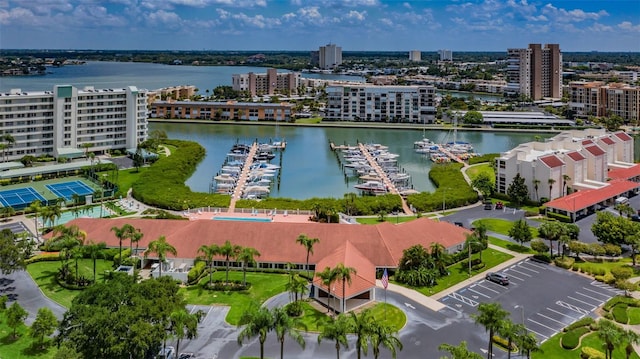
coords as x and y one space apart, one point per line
375 125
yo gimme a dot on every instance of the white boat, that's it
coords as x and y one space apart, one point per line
425 142
264 165
372 187
225 178
257 191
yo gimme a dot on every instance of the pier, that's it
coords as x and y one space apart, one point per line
242 180
455 158
383 177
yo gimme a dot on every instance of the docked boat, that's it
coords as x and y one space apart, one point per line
264 156
375 187
225 178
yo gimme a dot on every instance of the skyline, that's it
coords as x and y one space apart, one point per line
301 25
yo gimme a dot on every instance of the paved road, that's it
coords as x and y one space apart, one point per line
19 286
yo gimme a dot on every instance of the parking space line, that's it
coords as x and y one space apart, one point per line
542 325
592 298
583 302
463 299
455 310
572 307
596 292
524 274
531 263
482 294
521 266
542 335
514 277
606 287
484 281
563 314
557 321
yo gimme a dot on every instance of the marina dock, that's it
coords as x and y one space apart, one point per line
453 157
237 192
384 178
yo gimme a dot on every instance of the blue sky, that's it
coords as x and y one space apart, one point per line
356 25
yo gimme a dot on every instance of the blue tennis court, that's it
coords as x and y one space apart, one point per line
68 189
20 197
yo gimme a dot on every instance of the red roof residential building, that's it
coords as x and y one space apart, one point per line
595 150
584 199
625 173
552 161
576 156
623 136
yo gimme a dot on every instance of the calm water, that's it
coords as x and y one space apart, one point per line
309 167
141 75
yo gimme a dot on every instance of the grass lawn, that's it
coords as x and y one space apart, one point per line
501 226
44 275
551 349
127 177
510 245
487 168
312 120
394 316
388 218
634 315
263 287
459 272
314 320
22 346
606 265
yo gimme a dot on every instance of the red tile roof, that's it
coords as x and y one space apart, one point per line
552 161
587 142
583 199
576 156
595 150
607 140
625 173
350 256
623 136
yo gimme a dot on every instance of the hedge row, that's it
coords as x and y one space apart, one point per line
584 322
45 257
453 190
489 157
560 217
196 272
631 302
571 339
591 353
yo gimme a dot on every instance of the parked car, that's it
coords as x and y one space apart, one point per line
635 218
499 205
488 205
187 356
499 278
459 224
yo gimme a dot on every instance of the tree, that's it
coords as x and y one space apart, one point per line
491 317
536 183
510 331
473 118
362 328
10 141
247 256
161 247
94 251
565 178
517 190
611 335
343 274
122 233
633 240
44 325
484 184
336 329
630 337
257 321
184 325
11 255
35 207
528 343
15 317
609 228
520 232
383 335
285 325
138 159
551 182
459 352
209 251
228 250
308 244
328 276
135 237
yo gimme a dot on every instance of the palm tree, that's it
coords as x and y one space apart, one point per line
209 251
247 256
439 256
343 274
94 251
459 352
10 141
336 329
528 343
308 244
510 331
135 237
328 276
257 321
611 335
77 253
283 324
536 182
382 334
491 316
630 337
550 181
565 179
362 326
184 325
228 250
551 231
35 207
161 247
122 233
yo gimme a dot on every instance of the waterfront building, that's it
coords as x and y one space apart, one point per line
367 102
65 121
182 92
329 56
415 56
229 110
599 99
268 83
572 161
535 72
520 118
445 55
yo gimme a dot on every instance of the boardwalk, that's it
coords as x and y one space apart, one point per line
383 177
237 192
450 155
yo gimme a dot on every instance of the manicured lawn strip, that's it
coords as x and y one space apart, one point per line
509 245
606 265
310 120
21 347
263 287
487 168
126 178
43 273
460 272
634 315
501 226
389 218
551 348
593 341
314 319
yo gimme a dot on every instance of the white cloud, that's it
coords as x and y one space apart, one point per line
230 3
628 26
355 15
164 18
576 15
386 21
296 2
598 27
407 5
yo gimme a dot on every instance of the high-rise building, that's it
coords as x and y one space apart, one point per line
415 55
330 56
535 72
266 83
61 122
445 55
599 99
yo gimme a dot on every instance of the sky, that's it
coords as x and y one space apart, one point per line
303 25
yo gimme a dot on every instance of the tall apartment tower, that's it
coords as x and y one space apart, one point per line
445 55
330 56
415 56
535 71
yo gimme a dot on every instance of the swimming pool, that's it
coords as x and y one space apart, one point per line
84 212
243 219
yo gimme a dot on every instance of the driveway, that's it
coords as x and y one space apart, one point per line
19 286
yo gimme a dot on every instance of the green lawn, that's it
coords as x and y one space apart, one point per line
551 349
263 287
389 314
510 245
44 275
487 168
634 315
606 265
22 346
501 226
127 177
312 120
460 272
387 218
314 320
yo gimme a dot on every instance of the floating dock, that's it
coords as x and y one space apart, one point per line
242 180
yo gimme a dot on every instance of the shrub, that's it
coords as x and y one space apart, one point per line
622 272
126 253
612 249
45 257
459 192
559 217
571 339
488 157
631 302
539 246
619 313
625 285
504 343
542 257
196 272
591 353
565 263
231 286
584 322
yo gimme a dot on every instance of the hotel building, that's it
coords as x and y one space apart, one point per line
62 122
445 55
268 83
535 72
329 56
415 56
414 104
600 99
230 110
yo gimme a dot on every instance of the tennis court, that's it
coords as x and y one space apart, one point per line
66 190
20 197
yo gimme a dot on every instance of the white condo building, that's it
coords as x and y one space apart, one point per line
445 55
365 102
61 122
330 56
415 55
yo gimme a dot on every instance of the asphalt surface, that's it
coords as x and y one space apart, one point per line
16 227
19 286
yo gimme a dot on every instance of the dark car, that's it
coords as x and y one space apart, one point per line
635 218
488 205
499 205
459 224
497 278
187 356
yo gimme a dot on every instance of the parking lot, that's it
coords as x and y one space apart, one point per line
544 297
16 228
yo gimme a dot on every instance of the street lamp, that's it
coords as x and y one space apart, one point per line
522 312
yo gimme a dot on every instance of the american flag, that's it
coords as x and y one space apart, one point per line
385 279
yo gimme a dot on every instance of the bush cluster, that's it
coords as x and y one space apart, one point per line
571 339
560 217
451 186
591 353
565 263
584 322
196 272
45 257
231 286
504 343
